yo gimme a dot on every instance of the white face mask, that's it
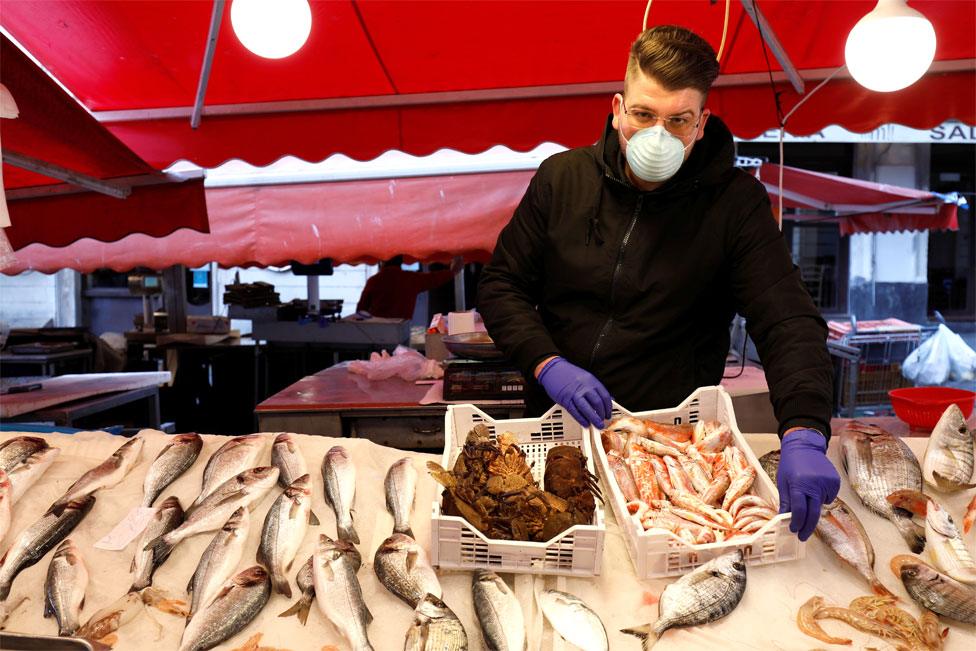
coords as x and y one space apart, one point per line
654 155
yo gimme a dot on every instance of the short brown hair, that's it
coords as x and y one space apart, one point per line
675 57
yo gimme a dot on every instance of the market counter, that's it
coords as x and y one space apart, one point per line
765 619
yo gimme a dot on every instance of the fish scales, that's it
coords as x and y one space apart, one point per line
877 465
239 601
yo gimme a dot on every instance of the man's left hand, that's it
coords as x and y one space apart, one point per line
806 479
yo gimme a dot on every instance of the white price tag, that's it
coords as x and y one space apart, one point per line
128 529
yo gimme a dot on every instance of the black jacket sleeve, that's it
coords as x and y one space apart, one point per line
789 333
511 284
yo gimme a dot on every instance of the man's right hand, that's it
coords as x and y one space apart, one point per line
576 390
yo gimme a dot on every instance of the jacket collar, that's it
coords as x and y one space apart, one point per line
711 158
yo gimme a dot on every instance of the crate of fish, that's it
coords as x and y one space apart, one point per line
685 487
519 495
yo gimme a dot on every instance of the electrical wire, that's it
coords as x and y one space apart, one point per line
725 31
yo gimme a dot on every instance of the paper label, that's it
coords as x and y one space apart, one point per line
128 529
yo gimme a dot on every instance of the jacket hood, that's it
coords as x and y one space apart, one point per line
711 158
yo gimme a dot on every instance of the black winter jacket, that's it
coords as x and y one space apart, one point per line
640 288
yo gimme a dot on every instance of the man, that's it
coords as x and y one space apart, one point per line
625 262
392 292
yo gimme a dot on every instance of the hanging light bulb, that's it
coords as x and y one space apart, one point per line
272 29
890 48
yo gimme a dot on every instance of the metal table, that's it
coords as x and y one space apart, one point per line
46 364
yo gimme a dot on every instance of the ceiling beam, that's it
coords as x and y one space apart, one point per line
606 88
64 174
772 42
208 56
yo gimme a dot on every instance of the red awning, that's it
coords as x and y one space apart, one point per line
424 218
857 206
53 129
422 75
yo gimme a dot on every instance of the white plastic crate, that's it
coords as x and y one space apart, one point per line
659 553
456 544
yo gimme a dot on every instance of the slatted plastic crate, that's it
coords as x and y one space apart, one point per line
659 553
456 544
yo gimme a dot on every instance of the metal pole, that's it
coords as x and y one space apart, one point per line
64 174
208 55
459 303
313 294
767 33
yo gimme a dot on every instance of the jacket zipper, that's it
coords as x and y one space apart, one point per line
613 279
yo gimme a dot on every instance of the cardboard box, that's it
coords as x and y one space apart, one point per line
207 325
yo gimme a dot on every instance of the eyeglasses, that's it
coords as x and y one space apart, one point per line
677 125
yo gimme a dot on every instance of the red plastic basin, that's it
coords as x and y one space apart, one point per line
922 407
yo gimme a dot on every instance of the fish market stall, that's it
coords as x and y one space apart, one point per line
764 619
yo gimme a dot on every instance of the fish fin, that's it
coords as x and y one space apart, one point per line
260 557
282 586
48 610
348 533
948 486
913 534
57 509
369 616
313 519
299 609
645 633
132 565
411 561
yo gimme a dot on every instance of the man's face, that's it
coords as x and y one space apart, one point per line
646 95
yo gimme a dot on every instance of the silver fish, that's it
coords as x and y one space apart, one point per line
174 459
402 567
706 594
287 458
38 539
105 475
306 585
64 588
284 530
245 489
435 628
337 590
27 472
841 530
218 561
400 487
935 591
942 538
14 451
6 504
339 475
168 516
877 465
231 459
948 461
238 602
574 620
499 612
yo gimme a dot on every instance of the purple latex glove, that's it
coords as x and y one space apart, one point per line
578 391
806 479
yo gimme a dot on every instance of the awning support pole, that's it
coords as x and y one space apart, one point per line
767 33
208 55
64 174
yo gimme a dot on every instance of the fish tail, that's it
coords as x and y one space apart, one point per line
913 534
646 633
348 532
281 585
879 589
160 547
299 609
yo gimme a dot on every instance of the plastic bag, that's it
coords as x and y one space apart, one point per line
942 357
405 363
